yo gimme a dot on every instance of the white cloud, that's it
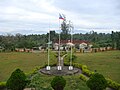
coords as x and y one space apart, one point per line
36 15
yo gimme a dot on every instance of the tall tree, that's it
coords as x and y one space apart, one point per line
65 27
113 40
115 36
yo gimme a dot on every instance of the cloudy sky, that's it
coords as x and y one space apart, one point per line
37 16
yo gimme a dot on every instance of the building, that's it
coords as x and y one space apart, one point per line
78 44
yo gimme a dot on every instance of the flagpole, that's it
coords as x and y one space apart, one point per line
71 67
59 66
48 67
49 48
59 43
71 49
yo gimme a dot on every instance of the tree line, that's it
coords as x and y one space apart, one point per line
10 42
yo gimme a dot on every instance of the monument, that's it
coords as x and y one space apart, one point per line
60 69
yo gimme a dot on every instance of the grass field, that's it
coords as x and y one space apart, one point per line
106 63
25 61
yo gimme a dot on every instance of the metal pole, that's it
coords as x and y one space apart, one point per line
71 49
49 49
48 67
59 50
70 26
59 66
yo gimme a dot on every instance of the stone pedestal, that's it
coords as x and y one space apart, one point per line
48 68
59 67
70 67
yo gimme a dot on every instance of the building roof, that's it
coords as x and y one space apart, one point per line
74 41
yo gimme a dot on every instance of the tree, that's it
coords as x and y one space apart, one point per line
65 27
17 80
118 40
93 36
97 82
53 36
58 83
115 36
113 40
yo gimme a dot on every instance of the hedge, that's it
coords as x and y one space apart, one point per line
87 72
112 84
2 85
83 77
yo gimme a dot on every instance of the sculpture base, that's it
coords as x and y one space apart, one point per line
59 67
63 70
48 68
70 67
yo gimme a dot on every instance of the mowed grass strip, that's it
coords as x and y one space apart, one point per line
25 61
106 63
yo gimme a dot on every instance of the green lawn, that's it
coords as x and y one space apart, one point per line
106 63
25 61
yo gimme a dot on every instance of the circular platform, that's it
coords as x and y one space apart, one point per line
65 71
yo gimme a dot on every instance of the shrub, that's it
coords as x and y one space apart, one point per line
58 83
68 57
73 57
66 64
113 84
84 67
2 85
82 77
86 71
74 64
17 80
97 82
77 65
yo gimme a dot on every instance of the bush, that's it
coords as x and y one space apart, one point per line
68 57
77 65
97 82
73 57
2 85
17 80
84 67
58 83
74 64
82 77
86 71
113 84
66 63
